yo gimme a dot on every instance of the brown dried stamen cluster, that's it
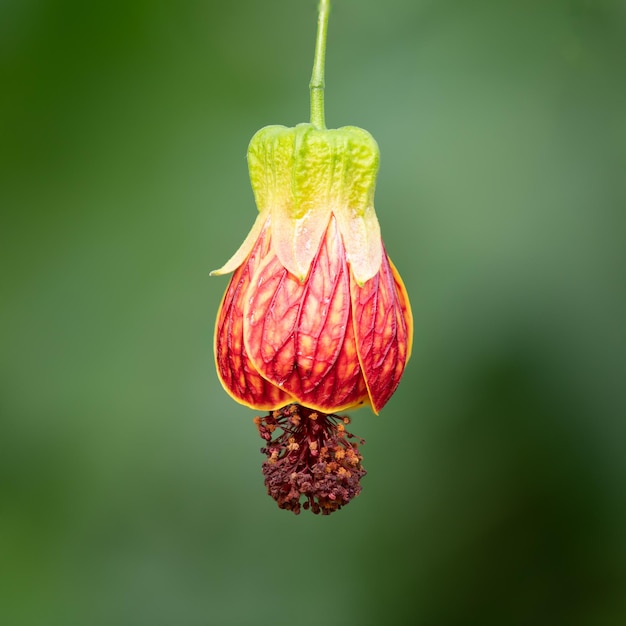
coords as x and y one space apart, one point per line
310 457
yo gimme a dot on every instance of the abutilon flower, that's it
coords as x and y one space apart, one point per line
316 319
315 313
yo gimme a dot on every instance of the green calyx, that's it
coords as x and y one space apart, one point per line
302 175
303 169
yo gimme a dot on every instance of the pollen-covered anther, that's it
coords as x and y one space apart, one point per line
311 464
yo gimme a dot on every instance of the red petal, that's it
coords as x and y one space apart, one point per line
300 335
235 370
382 329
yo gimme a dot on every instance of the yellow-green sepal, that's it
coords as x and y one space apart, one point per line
303 174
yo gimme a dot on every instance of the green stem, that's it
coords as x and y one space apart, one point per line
317 78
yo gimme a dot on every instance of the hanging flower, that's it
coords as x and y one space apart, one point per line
315 313
316 319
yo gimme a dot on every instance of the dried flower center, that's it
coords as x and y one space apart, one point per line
309 457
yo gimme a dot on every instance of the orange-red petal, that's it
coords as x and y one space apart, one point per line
300 336
382 327
235 370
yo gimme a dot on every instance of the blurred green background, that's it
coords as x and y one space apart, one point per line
130 483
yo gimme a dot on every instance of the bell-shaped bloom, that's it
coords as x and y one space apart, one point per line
315 313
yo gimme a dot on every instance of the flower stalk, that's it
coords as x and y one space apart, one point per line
317 83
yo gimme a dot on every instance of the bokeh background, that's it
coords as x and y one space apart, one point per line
130 484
